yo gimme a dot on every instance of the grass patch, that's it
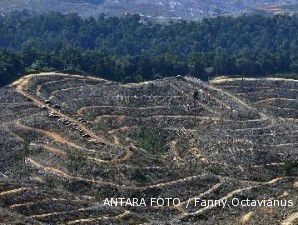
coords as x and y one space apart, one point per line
151 141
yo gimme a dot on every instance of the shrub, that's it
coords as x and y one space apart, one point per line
138 175
290 168
150 141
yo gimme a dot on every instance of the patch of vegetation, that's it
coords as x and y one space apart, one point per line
107 174
195 167
20 157
54 186
78 187
20 167
215 168
151 141
129 219
138 175
102 193
287 75
290 168
75 161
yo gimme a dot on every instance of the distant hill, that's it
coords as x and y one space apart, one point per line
157 9
121 49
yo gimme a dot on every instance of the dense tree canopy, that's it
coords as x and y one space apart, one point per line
130 49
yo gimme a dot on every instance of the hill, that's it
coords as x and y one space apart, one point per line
69 141
157 9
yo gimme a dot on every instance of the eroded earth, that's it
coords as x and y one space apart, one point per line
68 142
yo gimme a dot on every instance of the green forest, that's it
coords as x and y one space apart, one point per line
130 49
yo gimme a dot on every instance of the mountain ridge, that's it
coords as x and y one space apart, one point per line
156 9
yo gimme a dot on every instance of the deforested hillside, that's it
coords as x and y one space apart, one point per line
273 95
68 142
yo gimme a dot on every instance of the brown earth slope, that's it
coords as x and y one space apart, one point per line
68 142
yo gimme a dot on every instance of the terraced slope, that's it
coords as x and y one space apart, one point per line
68 142
272 95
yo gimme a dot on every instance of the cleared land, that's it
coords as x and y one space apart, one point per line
68 142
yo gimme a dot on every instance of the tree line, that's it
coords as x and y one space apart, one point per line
129 48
